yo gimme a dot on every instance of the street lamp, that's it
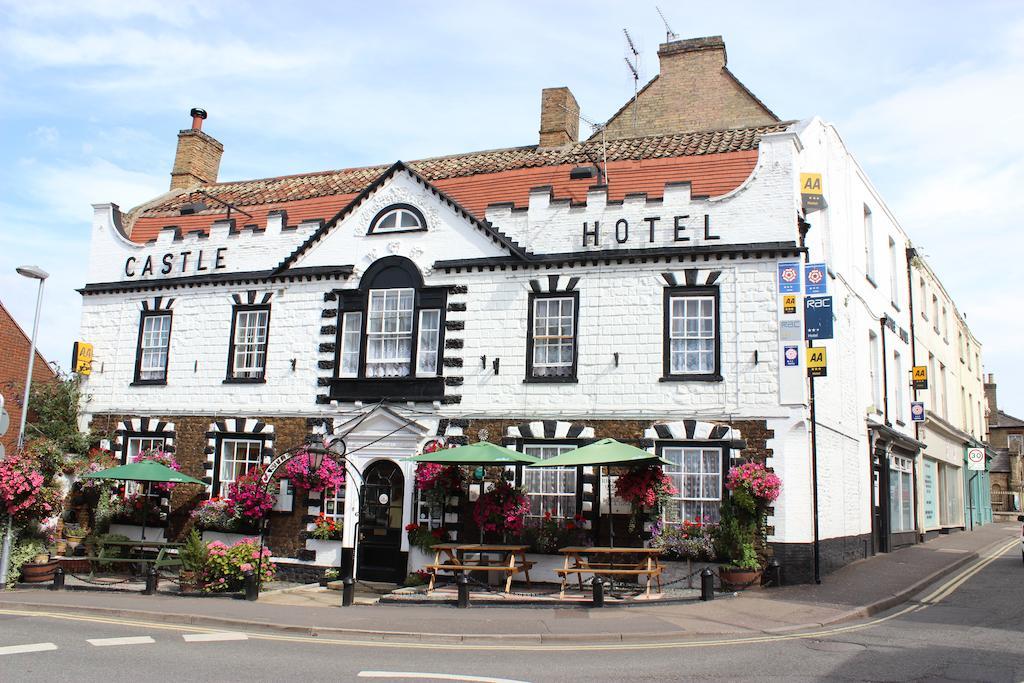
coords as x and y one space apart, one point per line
34 273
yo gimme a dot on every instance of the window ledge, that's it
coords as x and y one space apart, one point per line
245 380
550 380
691 378
871 280
149 383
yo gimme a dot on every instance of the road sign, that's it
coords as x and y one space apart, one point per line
817 363
817 317
789 277
920 377
789 304
81 358
976 458
815 281
791 355
917 411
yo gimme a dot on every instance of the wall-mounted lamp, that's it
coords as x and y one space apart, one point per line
616 356
293 365
755 356
495 364
483 362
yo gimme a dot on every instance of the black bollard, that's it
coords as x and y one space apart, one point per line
598 585
348 591
252 589
462 581
151 581
774 573
58 579
707 584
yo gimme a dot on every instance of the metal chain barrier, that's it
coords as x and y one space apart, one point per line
104 582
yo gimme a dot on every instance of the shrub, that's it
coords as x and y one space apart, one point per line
216 514
194 554
423 537
420 577
688 541
21 554
225 570
734 539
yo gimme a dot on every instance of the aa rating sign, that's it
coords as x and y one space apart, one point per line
920 377
789 304
817 362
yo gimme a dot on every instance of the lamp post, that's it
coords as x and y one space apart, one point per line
35 273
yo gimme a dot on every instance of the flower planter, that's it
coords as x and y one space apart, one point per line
328 553
226 537
189 582
38 572
734 579
134 532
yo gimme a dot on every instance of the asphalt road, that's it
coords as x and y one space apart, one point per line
968 627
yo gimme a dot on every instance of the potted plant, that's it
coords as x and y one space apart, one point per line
502 510
194 556
744 514
646 488
329 575
75 534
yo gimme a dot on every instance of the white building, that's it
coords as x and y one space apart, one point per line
537 296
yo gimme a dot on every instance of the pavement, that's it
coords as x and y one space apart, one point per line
859 590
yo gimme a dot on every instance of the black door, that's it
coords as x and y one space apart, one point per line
380 524
880 501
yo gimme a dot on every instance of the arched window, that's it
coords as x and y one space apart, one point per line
398 218
391 330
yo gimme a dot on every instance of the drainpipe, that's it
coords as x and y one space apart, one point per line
803 227
911 254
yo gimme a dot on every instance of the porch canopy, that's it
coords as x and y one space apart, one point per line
148 471
480 453
604 453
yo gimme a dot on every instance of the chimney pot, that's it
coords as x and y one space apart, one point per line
197 118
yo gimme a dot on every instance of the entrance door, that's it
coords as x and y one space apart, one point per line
880 502
380 524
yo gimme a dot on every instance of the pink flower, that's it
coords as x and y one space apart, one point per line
245 567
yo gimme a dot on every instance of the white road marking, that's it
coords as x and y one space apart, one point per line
213 637
19 649
434 677
130 640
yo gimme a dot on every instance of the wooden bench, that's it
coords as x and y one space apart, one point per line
514 561
163 559
581 565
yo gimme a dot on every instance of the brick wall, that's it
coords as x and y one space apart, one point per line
197 160
13 366
693 91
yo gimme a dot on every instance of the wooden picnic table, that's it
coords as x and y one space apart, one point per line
513 560
607 561
166 554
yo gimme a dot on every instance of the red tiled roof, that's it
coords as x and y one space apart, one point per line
714 162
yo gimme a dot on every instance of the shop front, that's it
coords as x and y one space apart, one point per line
894 498
978 488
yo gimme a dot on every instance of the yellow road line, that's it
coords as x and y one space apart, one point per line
934 597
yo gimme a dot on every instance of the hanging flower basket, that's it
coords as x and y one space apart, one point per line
502 510
300 471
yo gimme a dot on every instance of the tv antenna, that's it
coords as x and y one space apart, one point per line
602 173
670 35
634 68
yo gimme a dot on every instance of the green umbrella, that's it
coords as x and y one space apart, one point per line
604 452
148 471
480 453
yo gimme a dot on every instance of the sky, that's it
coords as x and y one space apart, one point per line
929 96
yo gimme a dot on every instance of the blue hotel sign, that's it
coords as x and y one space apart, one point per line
817 317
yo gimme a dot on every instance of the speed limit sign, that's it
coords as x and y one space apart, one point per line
975 458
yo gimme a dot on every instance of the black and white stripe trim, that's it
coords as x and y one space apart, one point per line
252 298
158 303
691 277
142 427
235 426
550 429
692 430
552 283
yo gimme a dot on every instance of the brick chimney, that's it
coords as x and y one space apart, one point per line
693 91
197 160
559 117
990 394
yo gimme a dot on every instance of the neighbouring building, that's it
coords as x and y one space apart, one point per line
540 296
1006 437
13 367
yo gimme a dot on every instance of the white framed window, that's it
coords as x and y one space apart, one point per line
334 504
924 299
696 473
553 336
935 313
236 457
389 332
351 324
550 489
901 494
398 218
945 325
894 273
874 361
248 357
901 379
154 343
428 342
869 244
943 393
692 335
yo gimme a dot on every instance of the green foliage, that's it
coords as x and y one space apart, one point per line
734 538
56 405
112 552
194 554
21 554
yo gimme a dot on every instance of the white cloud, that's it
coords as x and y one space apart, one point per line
66 190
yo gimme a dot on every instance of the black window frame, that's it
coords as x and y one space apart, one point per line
218 454
395 231
666 341
553 379
390 272
262 378
138 381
